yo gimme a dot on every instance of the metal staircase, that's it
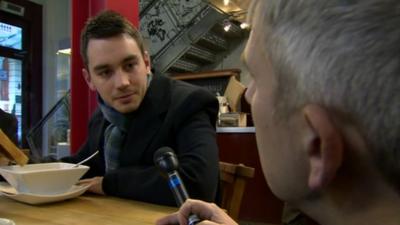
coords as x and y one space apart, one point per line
186 35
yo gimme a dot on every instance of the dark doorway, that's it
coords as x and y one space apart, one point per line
21 63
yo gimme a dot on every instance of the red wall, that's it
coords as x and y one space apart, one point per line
259 204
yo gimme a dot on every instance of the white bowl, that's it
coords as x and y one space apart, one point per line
43 178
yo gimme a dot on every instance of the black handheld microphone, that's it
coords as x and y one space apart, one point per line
165 159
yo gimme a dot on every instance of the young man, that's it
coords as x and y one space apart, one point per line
138 113
9 125
326 104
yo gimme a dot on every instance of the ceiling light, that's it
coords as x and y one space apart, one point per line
227 25
244 25
226 2
66 51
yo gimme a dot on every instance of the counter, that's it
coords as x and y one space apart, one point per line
236 129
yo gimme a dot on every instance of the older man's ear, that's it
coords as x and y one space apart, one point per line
325 148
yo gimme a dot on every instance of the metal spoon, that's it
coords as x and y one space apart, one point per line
83 161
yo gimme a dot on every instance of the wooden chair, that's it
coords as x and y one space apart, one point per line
233 93
233 178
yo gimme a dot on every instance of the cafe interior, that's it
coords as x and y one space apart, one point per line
196 41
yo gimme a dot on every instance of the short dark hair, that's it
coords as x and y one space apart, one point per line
107 24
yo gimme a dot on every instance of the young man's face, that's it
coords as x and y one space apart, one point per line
118 72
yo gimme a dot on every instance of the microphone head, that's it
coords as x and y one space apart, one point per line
165 159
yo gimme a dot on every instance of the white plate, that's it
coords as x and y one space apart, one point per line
6 222
7 190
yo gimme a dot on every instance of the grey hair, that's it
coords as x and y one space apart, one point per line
345 56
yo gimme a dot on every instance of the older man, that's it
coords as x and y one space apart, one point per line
326 104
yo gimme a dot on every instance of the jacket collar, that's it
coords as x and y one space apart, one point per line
148 118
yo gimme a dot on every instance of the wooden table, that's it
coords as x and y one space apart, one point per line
85 210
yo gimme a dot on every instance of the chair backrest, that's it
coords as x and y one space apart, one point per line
233 178
233 93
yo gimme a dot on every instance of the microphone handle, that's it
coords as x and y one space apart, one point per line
178 188
180 194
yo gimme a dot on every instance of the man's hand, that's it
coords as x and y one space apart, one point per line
96 184
209 213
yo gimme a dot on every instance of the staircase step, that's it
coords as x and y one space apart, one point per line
201 54
184 65
213 41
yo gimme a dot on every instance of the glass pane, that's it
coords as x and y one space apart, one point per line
10 36
10 88
63 74
49 137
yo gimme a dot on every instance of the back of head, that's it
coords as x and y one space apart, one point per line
107 24
345 56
